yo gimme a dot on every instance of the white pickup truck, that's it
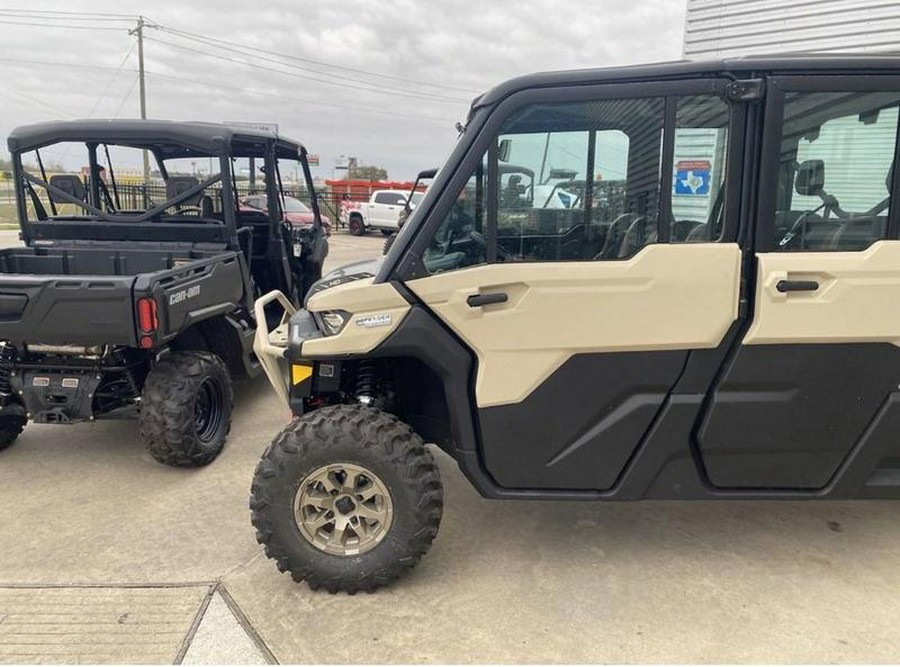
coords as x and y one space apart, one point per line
382 211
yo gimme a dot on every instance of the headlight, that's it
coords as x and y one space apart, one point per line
332 321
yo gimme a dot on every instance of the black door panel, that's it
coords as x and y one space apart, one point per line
786 416
579 428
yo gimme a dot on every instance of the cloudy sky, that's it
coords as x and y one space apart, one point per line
384 81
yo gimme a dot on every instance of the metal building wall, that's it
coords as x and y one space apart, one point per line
715 28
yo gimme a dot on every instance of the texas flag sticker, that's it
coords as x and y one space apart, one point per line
692 177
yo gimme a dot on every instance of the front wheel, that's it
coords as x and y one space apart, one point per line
10 428
388 242
356 226
186 408
347 498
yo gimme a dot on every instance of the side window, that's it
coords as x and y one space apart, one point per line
698 172
579 181
460 239
386 198
835 169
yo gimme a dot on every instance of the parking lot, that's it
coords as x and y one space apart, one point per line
109 556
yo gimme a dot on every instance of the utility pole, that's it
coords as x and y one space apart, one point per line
139 31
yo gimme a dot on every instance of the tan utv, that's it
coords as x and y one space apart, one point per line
693 295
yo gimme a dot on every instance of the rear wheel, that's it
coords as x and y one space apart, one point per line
387 232
347 498
186 408
10 428
356 226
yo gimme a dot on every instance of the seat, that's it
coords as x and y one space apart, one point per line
512 191
698 234
681 229
207 210
614 234
640 232
572 244
437 263
71 184
175 185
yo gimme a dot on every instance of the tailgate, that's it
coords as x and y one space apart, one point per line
193 292
59 310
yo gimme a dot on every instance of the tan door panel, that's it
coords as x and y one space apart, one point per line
856 300
667 297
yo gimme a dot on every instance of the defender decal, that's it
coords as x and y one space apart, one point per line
372 321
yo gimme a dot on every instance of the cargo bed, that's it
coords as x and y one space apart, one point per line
84 292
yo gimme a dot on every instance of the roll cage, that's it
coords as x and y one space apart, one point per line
165 141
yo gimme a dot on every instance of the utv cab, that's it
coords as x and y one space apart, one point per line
711 313
137 297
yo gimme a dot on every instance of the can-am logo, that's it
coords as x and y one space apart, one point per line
370 321
184 295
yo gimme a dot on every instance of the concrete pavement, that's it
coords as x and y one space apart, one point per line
504 582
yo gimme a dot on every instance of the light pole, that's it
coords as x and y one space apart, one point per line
139 31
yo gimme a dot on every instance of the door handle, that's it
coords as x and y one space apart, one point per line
477 300
797 285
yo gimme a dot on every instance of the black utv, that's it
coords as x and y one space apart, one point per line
704 306
130 297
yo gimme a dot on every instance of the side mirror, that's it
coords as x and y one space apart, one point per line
503 150
810 180
431 173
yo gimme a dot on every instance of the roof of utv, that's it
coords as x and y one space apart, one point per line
791 64
169 139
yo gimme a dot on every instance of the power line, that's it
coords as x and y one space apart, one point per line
127 96
213 84
364 86
67 26
99 16
363 110
109 84
369 84
50 107
28 61
111 80
214 41
50 19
